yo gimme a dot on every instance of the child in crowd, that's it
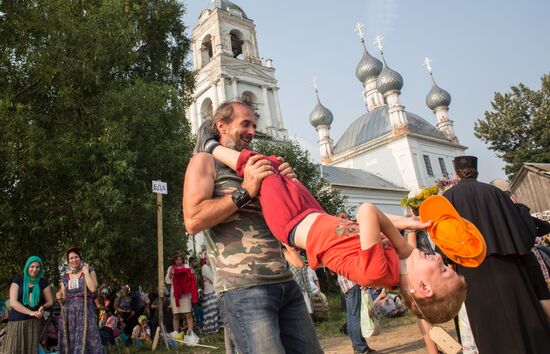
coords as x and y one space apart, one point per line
355 250
141 334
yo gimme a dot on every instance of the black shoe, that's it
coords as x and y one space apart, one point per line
207 140
367 351
344 329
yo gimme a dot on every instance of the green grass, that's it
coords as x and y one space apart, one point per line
326 327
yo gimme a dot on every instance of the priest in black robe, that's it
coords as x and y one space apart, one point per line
504 312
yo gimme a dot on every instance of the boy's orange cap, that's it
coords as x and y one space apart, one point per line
458 238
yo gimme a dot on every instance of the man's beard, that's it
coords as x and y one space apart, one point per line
232 144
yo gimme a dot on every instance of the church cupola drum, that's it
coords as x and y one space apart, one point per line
321 118
367 72
438 100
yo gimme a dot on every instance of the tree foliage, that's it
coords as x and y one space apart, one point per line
91 111
307 171
518 127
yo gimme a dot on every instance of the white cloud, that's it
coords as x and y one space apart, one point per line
380 17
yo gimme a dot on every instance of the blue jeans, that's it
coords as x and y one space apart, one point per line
270 318
353 310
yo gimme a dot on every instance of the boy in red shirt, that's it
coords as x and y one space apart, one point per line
355 250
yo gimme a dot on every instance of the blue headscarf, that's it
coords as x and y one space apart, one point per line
35 281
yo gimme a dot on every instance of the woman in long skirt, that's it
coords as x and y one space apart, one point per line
29 296
78 325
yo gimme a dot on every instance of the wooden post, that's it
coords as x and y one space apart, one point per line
160 243
160 188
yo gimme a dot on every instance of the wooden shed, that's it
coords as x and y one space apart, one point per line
532 187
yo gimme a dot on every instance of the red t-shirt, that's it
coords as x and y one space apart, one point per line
335 243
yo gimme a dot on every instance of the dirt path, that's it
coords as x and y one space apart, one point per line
397 338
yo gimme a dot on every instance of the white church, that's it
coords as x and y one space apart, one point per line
382 155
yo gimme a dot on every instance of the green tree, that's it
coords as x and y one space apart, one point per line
518 127
307 171
91 111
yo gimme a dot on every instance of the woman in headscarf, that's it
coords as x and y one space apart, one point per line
29 297
78 331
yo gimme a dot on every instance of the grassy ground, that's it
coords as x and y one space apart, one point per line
327 327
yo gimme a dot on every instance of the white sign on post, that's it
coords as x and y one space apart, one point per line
160 187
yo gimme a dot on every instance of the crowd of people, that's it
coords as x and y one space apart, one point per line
245 228
253 281
84 317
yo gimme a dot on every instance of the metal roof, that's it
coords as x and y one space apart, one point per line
372 125
352 177
540 167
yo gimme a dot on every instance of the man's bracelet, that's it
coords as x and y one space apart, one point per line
240 197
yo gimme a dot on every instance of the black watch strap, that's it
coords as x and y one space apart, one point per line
240 197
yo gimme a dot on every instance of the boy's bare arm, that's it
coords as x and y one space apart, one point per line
292 256
411 223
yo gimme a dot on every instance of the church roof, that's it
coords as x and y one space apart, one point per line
226 5
352 177
372 125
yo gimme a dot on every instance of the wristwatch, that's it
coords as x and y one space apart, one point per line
240 197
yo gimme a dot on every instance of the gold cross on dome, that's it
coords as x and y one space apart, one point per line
359 29
428 64
378 41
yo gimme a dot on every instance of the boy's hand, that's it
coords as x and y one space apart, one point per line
285 169
257 168
410 223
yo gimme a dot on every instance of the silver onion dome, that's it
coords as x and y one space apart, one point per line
389 80
320 115
227 6
369 67
437 97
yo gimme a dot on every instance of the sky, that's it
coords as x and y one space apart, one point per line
477 47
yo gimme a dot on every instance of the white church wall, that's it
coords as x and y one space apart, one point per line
402 161
385 200
392 162
434 152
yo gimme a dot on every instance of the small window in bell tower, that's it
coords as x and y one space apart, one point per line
207 109
236 43
206 50
250 99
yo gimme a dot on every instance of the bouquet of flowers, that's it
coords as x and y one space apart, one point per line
415 201
445 184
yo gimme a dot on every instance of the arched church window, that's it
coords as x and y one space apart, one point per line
250 99
207 109
237 42
206 50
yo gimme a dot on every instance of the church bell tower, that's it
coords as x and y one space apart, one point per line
229 68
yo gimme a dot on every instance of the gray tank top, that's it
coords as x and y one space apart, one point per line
242 251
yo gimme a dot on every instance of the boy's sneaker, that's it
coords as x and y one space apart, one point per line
207 140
